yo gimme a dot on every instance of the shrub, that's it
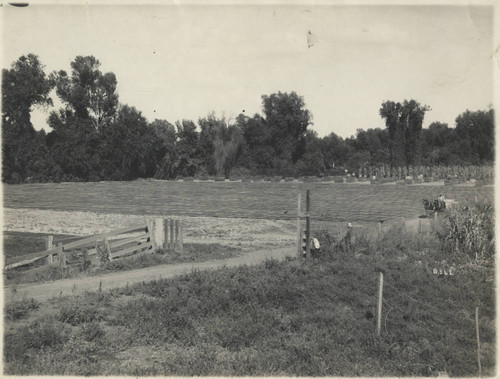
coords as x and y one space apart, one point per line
75 313
92 331
41 334
19 309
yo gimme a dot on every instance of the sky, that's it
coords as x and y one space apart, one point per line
178 62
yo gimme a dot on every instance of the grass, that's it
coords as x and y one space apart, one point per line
20 243
20 309
39 272
289 318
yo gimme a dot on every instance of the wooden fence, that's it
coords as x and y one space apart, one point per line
146 238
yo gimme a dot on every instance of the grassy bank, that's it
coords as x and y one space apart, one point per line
278 318
21 243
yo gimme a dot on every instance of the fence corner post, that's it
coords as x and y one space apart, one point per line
159 234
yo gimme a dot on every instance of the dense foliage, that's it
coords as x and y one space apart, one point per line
94 137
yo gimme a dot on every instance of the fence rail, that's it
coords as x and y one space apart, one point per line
166 234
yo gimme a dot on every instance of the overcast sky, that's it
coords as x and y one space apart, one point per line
174 62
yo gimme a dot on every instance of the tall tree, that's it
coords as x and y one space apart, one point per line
88 92
287 119
166 135
187 148
404 124
24 87
475 130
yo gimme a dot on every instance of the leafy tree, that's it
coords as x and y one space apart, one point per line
187 148
88 92
334 149
219 145
475 130
312 162
24 87
75 146
166 135
287 120
257 152
404 124
131 147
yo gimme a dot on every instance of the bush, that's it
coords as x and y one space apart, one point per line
19 309
40 334
75 313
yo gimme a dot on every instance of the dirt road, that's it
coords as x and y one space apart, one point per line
44 291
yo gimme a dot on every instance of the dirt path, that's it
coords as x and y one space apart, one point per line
44 291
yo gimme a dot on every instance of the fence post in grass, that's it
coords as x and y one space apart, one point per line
308 226
149 225
176 230
49 244
299 229
379 308
166 229
379 229
181 242
478 342
159 234
61 254
420 226
107 249
172 246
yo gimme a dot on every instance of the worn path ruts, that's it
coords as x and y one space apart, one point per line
44 291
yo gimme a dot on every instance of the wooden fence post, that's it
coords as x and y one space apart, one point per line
379 229
159 234
308 226
420 226
166 238
299 228
49 244
107 249
379 308
172 234
478 342
176 229
62 255
149 224
181 242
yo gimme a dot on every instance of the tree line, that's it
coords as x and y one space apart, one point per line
95 137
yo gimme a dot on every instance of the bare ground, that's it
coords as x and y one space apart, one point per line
250 234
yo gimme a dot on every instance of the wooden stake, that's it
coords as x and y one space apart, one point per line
62 255
478 342
171 244
379 229
181 242
176 228
166 230
107 249
299 229
49 242
379 308
149 224
308 226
